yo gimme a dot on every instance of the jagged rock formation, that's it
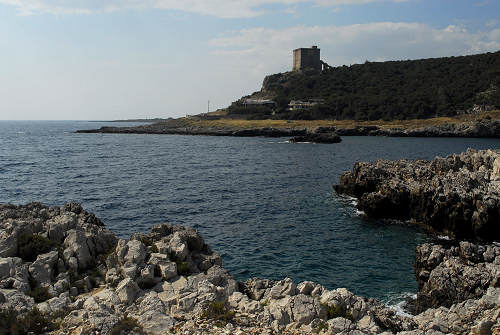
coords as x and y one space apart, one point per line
452 274
64 263
458 195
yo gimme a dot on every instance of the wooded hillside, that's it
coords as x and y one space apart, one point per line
384 90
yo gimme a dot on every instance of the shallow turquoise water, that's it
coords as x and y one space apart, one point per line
265 205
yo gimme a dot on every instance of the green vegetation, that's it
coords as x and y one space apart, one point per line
31 322
250 112
183 268
153 249
148 242
396 90
8 322
96 276
40 294
321 326
125 326
30 246
217 310
333 311
312 124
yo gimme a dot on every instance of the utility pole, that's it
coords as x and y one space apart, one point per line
208 109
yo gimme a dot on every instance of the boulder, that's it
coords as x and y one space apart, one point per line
135 252
127 291
451 274
79 246
8 267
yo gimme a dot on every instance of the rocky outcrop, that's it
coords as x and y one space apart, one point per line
62 264
452 274
458 195
484 128
167 128
326 138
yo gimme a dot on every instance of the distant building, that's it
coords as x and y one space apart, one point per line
307 58
304 104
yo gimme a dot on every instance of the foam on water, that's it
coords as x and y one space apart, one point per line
360 213
397 302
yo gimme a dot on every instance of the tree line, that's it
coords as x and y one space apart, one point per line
384 90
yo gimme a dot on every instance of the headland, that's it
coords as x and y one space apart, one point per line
440 97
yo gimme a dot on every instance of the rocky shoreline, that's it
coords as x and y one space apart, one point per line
485 128
63 272
165 128
458 195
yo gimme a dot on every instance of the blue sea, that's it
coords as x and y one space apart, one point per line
267 206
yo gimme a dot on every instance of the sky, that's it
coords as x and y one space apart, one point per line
121 59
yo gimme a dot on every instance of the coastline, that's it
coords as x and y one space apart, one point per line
79 277
478 126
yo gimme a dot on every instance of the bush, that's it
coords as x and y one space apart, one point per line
31 322
30 246
217 310
333 311
40 294
321 326
125 326
8 322
183 268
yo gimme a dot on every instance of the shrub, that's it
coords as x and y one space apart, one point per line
183 268
31 322
30 246
321 326
333 311
153 249
8 322
40 294
125 326
217 310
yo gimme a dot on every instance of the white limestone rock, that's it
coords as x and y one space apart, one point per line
127 290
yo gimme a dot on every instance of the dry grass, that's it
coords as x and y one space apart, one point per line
300 124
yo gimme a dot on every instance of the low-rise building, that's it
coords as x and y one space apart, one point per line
304 104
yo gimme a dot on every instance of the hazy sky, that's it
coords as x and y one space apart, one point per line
98 59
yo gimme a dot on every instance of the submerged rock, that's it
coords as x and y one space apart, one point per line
317 138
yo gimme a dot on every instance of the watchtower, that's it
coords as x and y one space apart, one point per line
306 58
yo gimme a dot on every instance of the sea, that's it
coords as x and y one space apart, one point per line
265 205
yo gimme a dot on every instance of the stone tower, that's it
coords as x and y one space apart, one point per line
306 58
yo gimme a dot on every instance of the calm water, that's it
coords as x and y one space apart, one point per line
265 205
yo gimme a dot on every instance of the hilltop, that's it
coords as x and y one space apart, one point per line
451 97
393 90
